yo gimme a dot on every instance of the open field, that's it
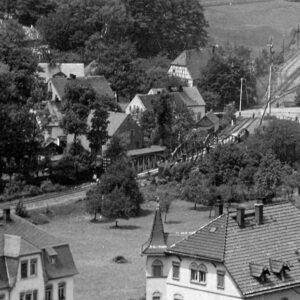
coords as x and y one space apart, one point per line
95 244
253 24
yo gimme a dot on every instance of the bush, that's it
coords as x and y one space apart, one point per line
14 187
48 187
21 210
31 190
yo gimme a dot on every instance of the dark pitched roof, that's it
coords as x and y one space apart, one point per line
194 60
213 118
64 264
148 100
115 120
152 149
208 242
157 241
98 83
277 238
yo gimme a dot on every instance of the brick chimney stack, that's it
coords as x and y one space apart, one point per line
218 209
240 216
259 213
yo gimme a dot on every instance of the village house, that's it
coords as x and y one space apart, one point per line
57 85
120 125
189 64
209 122
243 254
181 96
34 265
49 71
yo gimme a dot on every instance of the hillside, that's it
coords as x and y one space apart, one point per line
253 24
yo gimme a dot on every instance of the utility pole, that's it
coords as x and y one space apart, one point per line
270 76
241 95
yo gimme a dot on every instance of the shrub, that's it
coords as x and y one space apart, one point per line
21 210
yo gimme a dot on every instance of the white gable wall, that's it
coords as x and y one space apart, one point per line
134 104
29 283
69 287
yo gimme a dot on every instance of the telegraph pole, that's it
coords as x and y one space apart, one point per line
270 76
241 95
297 33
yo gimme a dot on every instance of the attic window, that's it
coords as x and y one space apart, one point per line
279 267
213 229
259 271
52 254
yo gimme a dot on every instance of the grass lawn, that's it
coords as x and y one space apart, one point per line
252 24
94 245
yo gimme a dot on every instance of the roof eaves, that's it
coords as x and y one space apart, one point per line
194 256
272 289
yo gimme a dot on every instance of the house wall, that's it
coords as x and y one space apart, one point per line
30 283
169 287
198 112
69 283
134 104
181 72
54 132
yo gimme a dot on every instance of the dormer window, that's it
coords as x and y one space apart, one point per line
279 267
259 271
52 254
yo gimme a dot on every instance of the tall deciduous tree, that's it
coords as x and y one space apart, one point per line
97 134
167 26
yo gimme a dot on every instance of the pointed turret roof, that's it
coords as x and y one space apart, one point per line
157 241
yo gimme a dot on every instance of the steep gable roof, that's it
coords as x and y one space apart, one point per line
98 83
148 100
194 60
207 243
115 120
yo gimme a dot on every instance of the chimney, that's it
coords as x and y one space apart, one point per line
240 216
218 209
12 245
6 215
259 213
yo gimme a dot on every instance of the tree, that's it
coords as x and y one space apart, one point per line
97 134
116 149
223 74
147 123
165 204
26 11
268 176
122 197
164 118
167 26
94 201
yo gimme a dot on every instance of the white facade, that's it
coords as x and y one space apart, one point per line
135 105
35 284
182 73
183 288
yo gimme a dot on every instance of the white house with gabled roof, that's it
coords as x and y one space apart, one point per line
246 254
33 264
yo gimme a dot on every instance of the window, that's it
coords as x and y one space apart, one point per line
28 296
178 297
176 270
220 279
62 291
2 296
35 295
198 274
22 296
33 267
156 296
24 269
157 268
48 293
202 274
194 272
